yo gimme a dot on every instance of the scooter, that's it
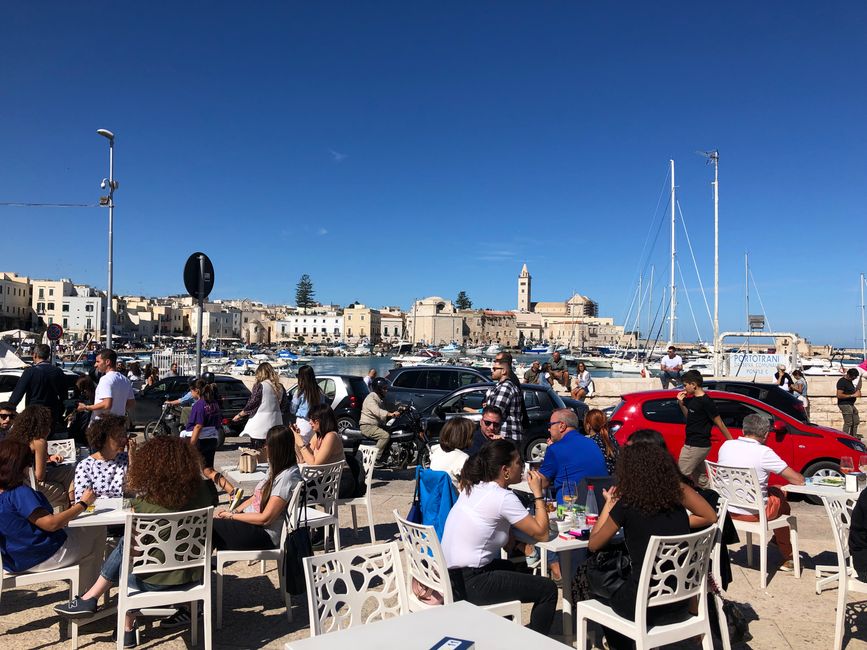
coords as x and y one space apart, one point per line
169 424
405 442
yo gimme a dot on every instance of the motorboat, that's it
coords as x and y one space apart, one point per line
360 351
415 359
450 350
476 351
290 357
493 350
540 349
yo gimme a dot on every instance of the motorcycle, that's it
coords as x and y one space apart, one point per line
406 445
170 424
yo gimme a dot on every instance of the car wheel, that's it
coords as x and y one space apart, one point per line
535 450
155 429
345 422
822 469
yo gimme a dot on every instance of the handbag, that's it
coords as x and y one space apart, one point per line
414 516
608 570
296 547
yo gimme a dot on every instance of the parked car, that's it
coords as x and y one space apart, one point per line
345 393
9 379
149 401
540 401
812 450
771 394
423 385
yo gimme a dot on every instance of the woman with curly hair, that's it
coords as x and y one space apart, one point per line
649 499
596 428
32 427
264 407
105 470
166 477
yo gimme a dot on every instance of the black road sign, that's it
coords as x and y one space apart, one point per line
199 275
54 332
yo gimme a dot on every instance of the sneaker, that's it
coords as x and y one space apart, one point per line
535 559
236 498
788 566
78 607
180 618
130 640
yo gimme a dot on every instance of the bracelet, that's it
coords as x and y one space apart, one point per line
538 498
82 504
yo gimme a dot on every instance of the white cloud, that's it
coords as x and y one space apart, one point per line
322 231
338 157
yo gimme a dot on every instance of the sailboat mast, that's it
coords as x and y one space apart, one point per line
863 328
650 303
747 293
638 318
714 156
673 287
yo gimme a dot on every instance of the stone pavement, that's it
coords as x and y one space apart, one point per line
788 614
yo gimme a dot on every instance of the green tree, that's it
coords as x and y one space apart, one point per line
463 301
304 293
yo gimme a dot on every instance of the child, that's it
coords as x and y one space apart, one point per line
701 414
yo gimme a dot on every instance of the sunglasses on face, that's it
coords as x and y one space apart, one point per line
6 416
491 423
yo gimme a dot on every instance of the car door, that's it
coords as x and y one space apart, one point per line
329 389
665 416
452 407
539 408
407 386
149 402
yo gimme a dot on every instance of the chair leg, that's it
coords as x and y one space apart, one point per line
73 624
194 622
723 623
840 622
220 567
796 555
370 522
262 567
207 621
583 639
121 619
354 519
287 597
750 550
763 560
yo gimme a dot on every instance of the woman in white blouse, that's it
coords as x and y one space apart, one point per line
105 471
449 455
582 382
478 528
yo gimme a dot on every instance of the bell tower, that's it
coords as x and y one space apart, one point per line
524 282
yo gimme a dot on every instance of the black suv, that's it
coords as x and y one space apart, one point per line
345 393
770 394
424 385
149 401
540 401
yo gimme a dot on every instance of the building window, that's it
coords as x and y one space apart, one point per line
88 307
65 308
41 292
51 292
65 323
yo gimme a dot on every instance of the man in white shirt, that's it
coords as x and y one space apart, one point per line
671 367
114 393
750 451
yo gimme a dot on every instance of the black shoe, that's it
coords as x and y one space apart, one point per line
180 618
129 639
78 607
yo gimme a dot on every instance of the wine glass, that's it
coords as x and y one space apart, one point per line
847 464
569 494
862 463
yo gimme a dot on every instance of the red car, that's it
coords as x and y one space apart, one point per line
809 449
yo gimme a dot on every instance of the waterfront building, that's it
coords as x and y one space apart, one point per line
309 326
392 322
15 301
434 321
486 326
362 324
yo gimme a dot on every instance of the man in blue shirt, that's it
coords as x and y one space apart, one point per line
570 457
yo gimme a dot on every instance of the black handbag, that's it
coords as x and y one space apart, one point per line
607 571
414 516
296 547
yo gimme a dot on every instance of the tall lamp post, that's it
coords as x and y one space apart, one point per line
111 185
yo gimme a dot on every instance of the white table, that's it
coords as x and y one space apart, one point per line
421 630
819 491
236 476
106 512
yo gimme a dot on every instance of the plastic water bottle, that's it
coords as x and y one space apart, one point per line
591 510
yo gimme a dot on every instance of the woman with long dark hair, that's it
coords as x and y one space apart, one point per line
649 499
478 528
258 521
596 428
307 396
583 381
325 445
32 427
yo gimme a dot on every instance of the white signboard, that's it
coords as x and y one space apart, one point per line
751 364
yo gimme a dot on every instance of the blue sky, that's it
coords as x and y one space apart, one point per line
394 150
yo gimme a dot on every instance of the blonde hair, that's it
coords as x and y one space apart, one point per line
265 372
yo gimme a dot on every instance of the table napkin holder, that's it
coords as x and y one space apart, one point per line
856 481
248 460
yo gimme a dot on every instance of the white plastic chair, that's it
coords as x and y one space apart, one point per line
716 553
353 587
832 571
840 513
426 563
368 460
65 448
674 570
741 488
25 578
155 543
275 554
323 482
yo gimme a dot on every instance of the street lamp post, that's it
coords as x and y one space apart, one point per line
111 184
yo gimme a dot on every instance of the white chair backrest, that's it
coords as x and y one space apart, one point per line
840 513
291 512
675 568
354 587
425 561
718 547
368 461
31 476
323 482
739 486
65 448
167 541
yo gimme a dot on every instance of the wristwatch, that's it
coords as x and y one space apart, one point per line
83 504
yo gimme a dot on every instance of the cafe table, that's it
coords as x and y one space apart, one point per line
819 491
425 629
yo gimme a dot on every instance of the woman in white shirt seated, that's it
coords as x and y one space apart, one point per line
582 382
449 455
477 529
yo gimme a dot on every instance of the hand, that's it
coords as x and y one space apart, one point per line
131 445
236 418
610 495
55 458
299 441
89 497
81 406
222 514
681 396
534 480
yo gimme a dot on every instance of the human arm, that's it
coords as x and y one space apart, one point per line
40 458
51 522
273 509
21 387
252 404
793 477
197 430
702 513
535 525
102 405
605 527
681 396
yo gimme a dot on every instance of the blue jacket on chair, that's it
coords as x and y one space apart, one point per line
437 495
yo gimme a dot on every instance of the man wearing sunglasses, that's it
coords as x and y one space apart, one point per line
489 428
570 456
506 396
7 415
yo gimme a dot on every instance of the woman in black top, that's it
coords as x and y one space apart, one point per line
649 499
858 537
